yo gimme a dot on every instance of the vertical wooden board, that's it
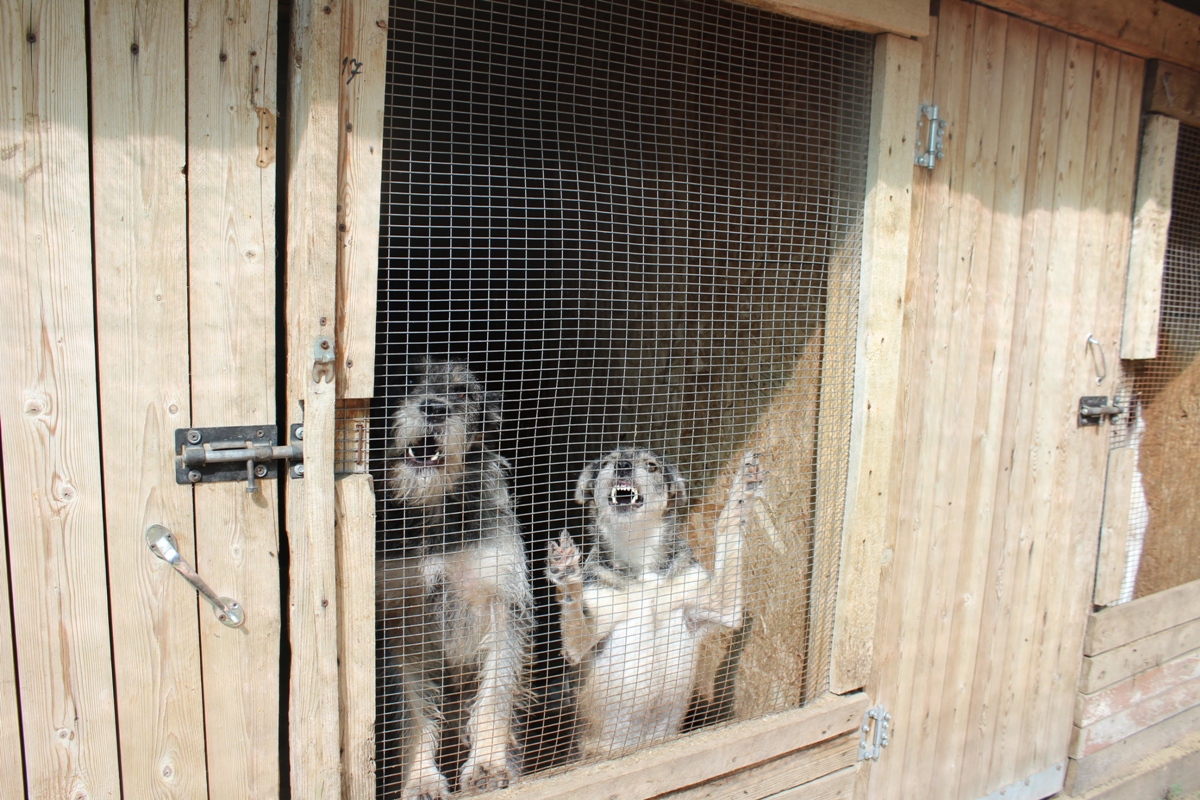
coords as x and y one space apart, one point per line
312 126
12 775
886 223
139 152
1118 487
48 409
360 172
356 633
232 323
1148 246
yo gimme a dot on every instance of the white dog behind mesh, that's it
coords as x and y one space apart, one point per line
635 613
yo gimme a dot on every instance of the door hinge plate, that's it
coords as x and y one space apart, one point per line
239 453
930 138
873 734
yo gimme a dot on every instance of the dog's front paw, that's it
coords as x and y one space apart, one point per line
564 569
427 785
480 777
749 481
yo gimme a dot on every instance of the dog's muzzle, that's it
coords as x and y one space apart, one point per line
624 493
425 454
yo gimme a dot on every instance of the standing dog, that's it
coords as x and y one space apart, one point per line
634 615
458 591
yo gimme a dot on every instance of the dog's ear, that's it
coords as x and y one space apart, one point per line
677 494
586 486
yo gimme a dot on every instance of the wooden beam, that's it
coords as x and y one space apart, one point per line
48 409
840 784
1135 718
1114 528
1091 771
701 756
1119 625
312 128
139 147
12 779
886 225
903 17
360 171
1153 29
1173 91
1121 662
232 323
1091 708
1148 245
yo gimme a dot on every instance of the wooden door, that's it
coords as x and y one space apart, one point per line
1020 236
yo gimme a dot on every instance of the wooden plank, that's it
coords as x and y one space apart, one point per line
232 324
139 150
1174 91
360 171
1119 663
1129 721
1149 30
1091 771
312 128
1148 246
701 756
991 593
886 223
1120 625
905 17
1091 708
783 773
12 777
1170 773
839 784
1118 486
48 407
356 626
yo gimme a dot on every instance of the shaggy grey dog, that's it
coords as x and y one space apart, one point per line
636 612
455 600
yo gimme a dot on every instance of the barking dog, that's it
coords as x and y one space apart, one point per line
458 591
636 611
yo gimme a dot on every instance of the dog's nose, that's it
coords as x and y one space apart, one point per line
435 410
624 467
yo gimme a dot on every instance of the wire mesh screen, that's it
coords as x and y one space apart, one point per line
619 272
1163 542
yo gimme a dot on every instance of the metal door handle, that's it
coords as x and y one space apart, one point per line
162 544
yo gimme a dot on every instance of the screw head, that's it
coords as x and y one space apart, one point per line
194 476
298 469
300 433
193 437
261 470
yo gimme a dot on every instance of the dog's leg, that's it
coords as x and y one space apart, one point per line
422 780
490 728
724 606
588 613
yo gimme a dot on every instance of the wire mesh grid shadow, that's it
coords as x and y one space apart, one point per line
617 304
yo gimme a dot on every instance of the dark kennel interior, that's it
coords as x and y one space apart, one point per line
638 222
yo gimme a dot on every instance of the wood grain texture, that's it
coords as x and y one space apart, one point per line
1132 719
1091 708
1173 91
837 785
232 322
12 775
1121 662
360 171
1148 247
1120 625
48 409
1118 487
355 503
886 224
312 147
139 152
1091 771
905 17
1151 30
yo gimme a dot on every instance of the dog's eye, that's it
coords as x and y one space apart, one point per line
652 466
459 390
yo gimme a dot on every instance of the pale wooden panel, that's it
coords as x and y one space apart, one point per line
12 777
1085 773
356 633
1113 627
1148 247
231 258
48 408
1118 663
785 772
1091 708
312 146
1149 30
1135 718
1174 91
1166 773
1118 487
886 223
139 151
905 17
701 756
360 172
838 785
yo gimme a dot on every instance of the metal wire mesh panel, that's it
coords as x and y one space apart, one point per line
619 271
1164 514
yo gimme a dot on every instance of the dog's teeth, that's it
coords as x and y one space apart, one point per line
612 495
635 495
436 457
411 454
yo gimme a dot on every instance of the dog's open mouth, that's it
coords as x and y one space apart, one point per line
623 493
426 453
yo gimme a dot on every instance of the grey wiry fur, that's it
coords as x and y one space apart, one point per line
635 613
458 590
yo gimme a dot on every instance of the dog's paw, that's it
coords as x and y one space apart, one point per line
479 777
429 785
749 481
564 569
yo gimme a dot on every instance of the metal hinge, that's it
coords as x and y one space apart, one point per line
1094 410
872 738
241 453
932 139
